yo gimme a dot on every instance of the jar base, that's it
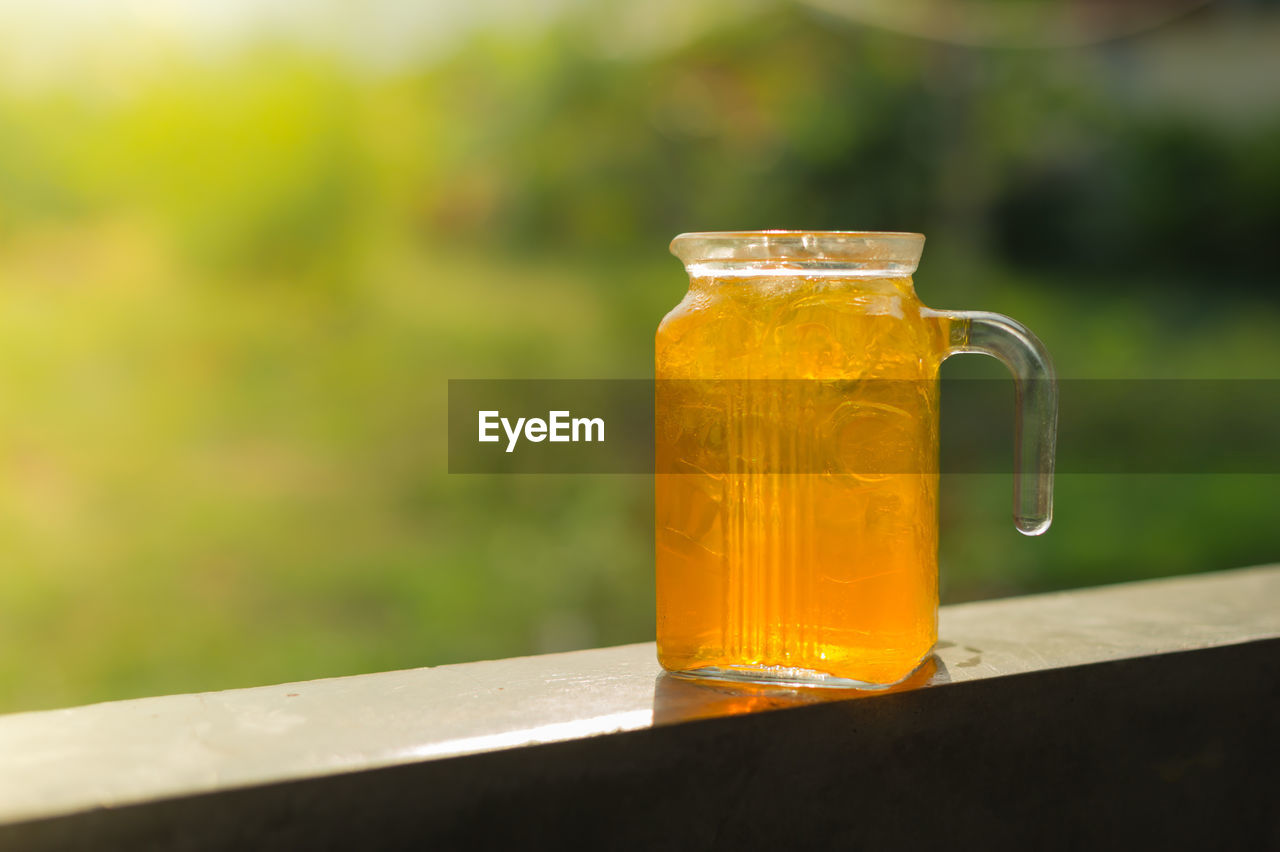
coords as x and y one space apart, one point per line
793 677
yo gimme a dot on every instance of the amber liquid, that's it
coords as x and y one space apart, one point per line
796 494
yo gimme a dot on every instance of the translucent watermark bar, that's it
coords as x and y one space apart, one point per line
864 427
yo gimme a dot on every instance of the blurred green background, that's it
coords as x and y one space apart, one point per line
244 246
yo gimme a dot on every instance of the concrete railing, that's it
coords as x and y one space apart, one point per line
1136 716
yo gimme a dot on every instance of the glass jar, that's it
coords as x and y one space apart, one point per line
796 455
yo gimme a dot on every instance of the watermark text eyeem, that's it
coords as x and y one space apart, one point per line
559 427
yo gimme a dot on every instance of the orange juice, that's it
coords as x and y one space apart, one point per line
796 493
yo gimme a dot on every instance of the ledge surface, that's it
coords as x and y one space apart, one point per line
120 753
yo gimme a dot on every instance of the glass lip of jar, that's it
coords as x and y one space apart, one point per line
772 252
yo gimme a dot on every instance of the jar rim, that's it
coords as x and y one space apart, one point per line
867 252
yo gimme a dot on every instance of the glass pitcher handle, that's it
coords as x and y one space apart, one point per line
1036 417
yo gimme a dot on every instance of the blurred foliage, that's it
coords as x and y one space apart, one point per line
231 294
